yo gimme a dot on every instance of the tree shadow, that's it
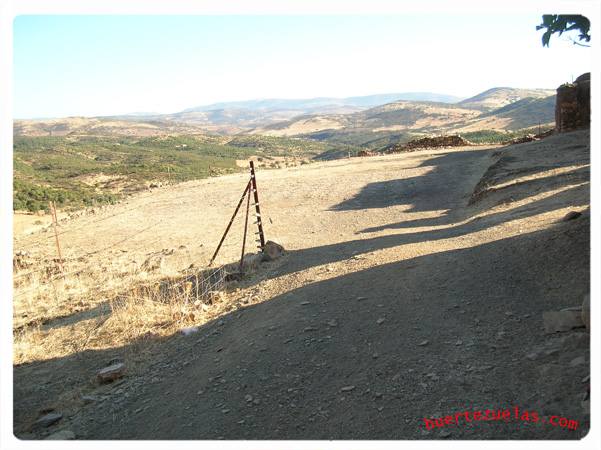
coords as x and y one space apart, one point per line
298 260
424 192
512 192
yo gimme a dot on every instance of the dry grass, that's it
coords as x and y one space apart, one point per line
93 308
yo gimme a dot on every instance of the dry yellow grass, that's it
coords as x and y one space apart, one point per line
94 308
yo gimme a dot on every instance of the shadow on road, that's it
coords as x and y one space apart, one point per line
295 353
422 193
299 260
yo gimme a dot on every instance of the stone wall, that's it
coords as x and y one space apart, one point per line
573 105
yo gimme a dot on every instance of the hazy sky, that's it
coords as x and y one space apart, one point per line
100 65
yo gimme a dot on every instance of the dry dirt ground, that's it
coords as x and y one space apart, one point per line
413 286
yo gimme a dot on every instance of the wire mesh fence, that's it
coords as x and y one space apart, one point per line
49 280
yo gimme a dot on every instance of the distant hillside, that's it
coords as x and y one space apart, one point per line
401 115
233 117
93 126
500 96
401 121
318 104
349 120
528 110
525 113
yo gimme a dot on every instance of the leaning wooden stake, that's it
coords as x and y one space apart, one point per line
58 245
231 221
245 230
253 180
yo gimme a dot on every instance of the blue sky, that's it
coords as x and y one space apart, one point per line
99 65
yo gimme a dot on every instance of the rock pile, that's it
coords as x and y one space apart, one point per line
529 138
429 142
366 153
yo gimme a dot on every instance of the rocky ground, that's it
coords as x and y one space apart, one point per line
413 286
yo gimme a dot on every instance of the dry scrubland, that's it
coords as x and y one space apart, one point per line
126 283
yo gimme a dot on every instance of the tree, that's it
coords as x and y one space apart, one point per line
560 23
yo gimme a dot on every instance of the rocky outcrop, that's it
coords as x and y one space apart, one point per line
573 105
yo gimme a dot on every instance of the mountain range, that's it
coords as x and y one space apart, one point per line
500 108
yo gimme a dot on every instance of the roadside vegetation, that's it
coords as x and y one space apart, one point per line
79 171
499 136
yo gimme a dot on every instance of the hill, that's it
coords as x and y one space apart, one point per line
401 121
402 115
233 117
501 96
525 113
100 126
377 115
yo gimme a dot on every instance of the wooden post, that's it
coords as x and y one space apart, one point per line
253 180
245 230
54 224
248 186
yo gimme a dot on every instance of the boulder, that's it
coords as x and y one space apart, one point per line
110 373
555 321
62 435
272 251
585 314
48 419
189 330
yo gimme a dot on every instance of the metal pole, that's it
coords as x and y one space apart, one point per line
231 221
253 180
245 229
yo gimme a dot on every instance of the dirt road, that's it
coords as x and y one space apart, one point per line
398 299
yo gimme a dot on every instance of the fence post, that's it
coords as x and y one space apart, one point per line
54 224
253 180
248 185
245 230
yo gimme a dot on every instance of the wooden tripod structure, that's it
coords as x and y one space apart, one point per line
251 187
